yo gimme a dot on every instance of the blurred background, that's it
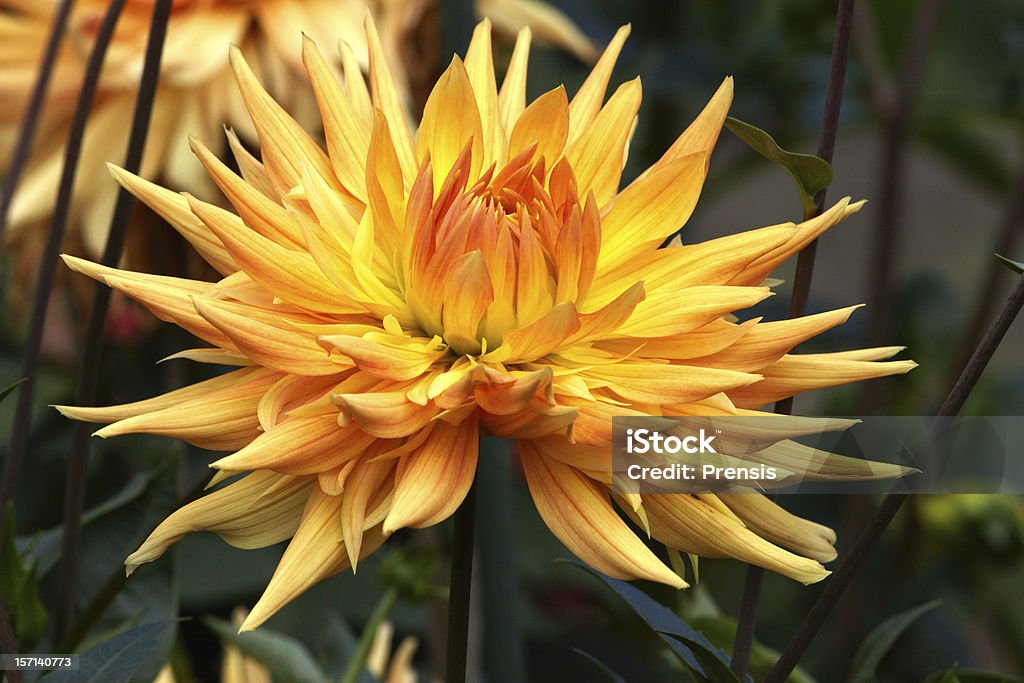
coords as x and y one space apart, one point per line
931 132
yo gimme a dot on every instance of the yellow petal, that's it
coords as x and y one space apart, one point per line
544 123
663 383
433 480
243 513
388 356
386 414
299 446
668 314
450 121
540 337
578 512
385 98
587 101
480 67
512 97
468 293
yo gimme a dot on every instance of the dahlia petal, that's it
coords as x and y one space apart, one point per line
292 275
545 123
168 298
578 512
766 343
653 206
252 169
512 96
385 98
692 524
269 345
701 135
173 208
665 384
385 414
551 25
314 553
539 419
588 99
514 396
468 293
366 485
299 446
291 392
480 68
793 374
223 419
284 144
768 520
598 154
433 480
703 341
666 314
241 513
191 392
347 141
387 356
450 120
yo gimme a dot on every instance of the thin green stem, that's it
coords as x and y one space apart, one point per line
460 588
358 662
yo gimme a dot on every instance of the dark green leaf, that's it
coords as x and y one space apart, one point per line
4 393
1017 266
880 641
19 586
601 666
285 657
115 660
688 644
721 631
811 173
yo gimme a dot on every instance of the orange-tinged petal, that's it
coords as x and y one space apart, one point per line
793 374
347 139
242 513
664 383
299 446
385 414
366 484
451 119
513 396
673 313
434 479
219 420
537 420
650 209
598 155
512 96
588 100
388 356
468 293
270 345
285 145
540 337
385 98
544 123
480 67
292 392
701 135
173 208
578 512
768 520
314 553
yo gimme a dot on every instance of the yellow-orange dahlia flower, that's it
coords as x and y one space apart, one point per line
392 298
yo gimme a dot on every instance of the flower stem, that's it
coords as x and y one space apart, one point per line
89 368
459 589
48 263
358 662
747 621
838 582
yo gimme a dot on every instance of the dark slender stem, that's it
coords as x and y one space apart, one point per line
850 565
886 240
751 599
8 645
48 265
33 113
460 589
1007 243
88 377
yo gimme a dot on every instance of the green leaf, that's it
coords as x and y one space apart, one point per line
115 660
688 644
880 641
4 393
19 586
811 173
601 666
1017 266
285 657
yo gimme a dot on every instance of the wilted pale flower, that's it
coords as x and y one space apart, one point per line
389 300
196 94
